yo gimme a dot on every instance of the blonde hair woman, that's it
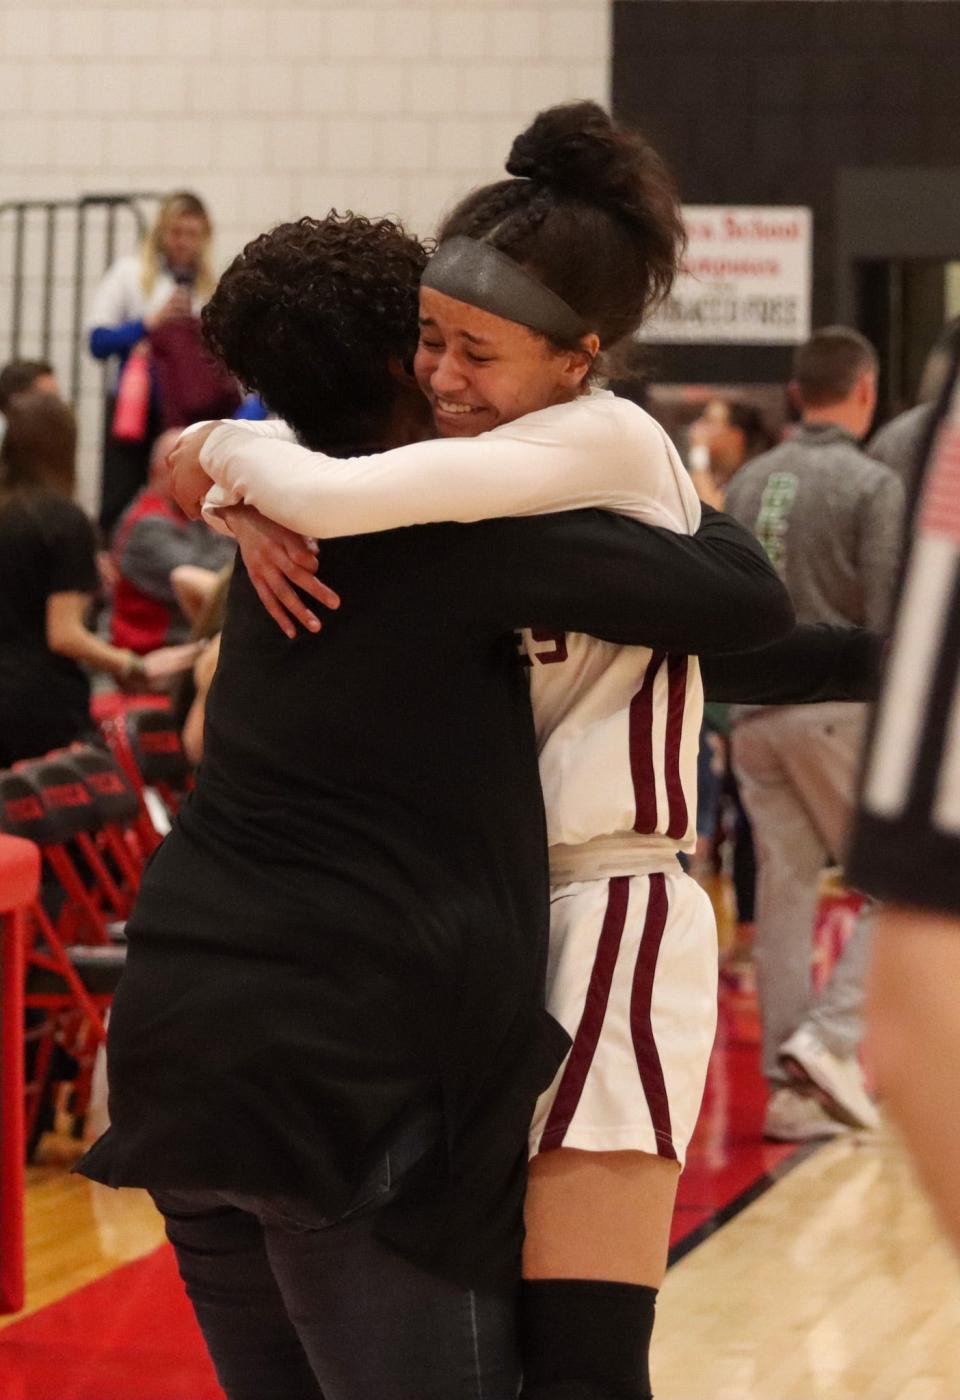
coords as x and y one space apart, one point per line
179 240
171 276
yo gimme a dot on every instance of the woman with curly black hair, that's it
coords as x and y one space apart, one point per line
329 1036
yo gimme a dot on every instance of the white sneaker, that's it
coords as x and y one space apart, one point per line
793 1117
838 1081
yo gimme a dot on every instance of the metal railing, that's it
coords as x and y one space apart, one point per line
53 254
35 228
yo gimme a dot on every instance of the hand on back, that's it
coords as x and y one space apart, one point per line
278 561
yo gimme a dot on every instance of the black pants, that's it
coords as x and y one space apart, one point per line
298 1309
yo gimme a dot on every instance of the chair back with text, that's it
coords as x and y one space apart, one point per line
47 801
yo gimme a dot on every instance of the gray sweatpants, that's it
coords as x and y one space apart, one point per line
797 768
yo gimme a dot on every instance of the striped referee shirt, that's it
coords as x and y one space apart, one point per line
907 843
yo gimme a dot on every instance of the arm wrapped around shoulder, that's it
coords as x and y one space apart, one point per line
813 663
627 582
704 594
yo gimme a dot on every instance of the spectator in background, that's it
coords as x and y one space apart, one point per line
830 519
48 574
728 433
18 377
900 442
169 279
153 539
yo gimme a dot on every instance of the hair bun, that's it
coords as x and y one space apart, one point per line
576 150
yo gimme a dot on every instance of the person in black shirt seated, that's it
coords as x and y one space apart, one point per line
330 1034
48 574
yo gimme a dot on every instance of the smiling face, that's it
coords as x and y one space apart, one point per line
479 370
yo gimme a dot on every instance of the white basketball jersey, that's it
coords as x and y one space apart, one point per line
618 726
618 733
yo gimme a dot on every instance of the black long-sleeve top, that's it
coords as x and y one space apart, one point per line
350 917
815 662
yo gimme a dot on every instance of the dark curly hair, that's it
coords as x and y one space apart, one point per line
309 316
592 212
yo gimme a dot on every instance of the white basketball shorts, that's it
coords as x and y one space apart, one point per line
632 978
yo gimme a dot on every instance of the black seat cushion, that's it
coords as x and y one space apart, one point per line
99 969
47 801
155 741
112 791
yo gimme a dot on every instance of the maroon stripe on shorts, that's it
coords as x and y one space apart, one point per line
641 749
641 1026
591 1022
677 699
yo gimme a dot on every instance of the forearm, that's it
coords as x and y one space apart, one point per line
524 468
636 584
915 1042
813 663
116 340
707 594
220 502
79 644
192 733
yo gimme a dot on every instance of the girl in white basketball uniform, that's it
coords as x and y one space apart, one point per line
576 250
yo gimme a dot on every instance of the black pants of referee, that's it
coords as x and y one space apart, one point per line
294 1309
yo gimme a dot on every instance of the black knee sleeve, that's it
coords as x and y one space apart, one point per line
586 1340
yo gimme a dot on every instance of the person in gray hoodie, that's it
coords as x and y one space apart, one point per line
830 519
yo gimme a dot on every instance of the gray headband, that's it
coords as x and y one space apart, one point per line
479 274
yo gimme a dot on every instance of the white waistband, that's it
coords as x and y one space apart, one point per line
624 853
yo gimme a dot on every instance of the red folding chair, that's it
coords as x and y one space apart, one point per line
19 885
71 987
70 981
118 811
159 755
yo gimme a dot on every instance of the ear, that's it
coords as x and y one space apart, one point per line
793 392
578 363
399 371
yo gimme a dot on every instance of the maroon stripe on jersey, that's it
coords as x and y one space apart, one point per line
591 1022
641 1025
641 749
676 802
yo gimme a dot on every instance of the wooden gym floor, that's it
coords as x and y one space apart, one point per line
810 1275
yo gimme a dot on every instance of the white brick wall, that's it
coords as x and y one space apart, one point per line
272 111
